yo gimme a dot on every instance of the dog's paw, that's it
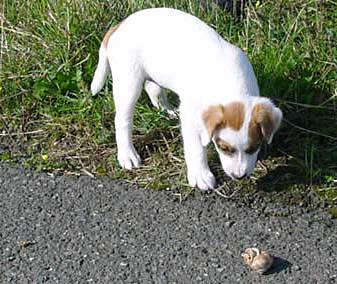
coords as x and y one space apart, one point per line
129 159
203 179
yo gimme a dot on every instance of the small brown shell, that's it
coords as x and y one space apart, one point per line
258 260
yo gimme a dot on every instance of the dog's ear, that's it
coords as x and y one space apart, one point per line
221 116
212 117
265 120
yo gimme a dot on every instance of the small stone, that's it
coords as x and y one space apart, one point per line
296 268
229 224
11 258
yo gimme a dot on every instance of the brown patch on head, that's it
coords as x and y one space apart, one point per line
109 33
219 116
261 125
225 147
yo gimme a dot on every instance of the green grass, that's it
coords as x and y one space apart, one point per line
50 121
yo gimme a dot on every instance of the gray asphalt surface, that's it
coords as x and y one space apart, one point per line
84 230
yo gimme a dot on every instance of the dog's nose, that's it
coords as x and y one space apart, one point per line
239 177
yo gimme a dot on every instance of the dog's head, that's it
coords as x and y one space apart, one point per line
238 130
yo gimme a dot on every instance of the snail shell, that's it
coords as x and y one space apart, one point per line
258 260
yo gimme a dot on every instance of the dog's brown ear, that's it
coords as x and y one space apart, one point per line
219 116
213 118
264 122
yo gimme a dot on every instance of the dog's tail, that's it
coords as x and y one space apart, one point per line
101 72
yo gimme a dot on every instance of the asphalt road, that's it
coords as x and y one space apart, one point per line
84 230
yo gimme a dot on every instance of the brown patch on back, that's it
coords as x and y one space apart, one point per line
261 124
109 33
219 116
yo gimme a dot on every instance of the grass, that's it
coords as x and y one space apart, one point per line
50 121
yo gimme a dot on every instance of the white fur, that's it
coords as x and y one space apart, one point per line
167 48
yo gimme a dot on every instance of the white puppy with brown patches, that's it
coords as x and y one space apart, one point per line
219 96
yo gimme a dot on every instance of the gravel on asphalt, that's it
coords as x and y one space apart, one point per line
61 229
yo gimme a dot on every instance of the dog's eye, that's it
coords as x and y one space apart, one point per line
252 149
227 149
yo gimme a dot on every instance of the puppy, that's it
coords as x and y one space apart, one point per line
219 96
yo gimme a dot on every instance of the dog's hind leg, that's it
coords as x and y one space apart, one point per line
127 87
154 91
158 97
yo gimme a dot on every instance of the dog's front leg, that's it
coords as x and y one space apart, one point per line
198 172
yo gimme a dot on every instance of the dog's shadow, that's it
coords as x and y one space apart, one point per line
285 175
287 183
